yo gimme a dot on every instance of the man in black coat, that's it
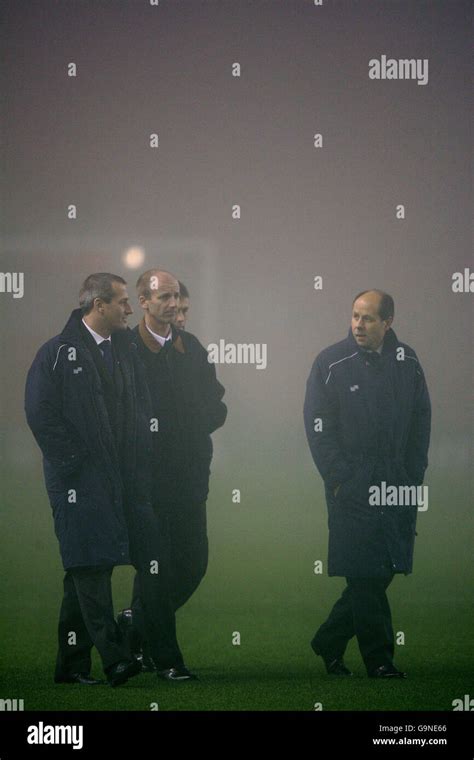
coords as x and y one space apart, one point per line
88 406
367 416
187 405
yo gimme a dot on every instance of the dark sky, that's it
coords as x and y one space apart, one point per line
224 140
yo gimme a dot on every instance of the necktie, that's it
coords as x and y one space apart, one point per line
372 358
106 350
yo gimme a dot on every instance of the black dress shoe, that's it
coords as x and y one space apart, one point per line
334 665
387 671
180 673
122 671
337 668
83 678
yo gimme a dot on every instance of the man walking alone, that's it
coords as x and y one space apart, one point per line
367 418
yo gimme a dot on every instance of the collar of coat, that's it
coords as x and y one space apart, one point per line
390 342
153 344
72 333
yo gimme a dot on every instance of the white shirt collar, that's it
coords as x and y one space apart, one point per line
157 337
98 338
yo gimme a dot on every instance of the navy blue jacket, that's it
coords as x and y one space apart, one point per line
375 426
111 520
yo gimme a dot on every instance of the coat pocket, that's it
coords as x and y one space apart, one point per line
353 495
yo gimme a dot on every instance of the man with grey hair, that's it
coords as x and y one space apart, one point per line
87 405
367 417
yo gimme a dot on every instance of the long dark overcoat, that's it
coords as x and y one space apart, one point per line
187 398
367 420
101 501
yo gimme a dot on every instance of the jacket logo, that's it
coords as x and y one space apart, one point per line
77 370
354 387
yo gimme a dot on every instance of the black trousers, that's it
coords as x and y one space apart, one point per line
362 611
86 619
183 554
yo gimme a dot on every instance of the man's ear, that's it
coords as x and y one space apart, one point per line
388 323
142 302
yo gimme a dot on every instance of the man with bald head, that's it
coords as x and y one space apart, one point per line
367 417
187 407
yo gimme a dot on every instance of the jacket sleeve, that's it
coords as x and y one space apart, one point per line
56 437
416 453
321 412
214 410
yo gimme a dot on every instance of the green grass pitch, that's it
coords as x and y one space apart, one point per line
260 583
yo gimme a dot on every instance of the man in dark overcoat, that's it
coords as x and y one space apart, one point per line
88 406
367 417
187 405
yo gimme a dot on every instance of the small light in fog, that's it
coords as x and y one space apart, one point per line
134 257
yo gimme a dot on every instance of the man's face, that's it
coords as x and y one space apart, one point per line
163 302
367 327
116 312
182 313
